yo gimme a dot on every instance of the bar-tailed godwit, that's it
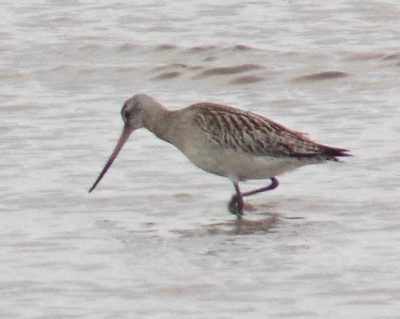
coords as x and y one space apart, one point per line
225 141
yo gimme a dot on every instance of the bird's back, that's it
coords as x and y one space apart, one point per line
251 133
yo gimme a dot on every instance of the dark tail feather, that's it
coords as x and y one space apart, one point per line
333 152
324 152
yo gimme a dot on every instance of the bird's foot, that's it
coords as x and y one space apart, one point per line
236 206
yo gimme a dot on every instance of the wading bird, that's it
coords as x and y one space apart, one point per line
225 141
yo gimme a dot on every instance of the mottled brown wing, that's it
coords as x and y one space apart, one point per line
252 133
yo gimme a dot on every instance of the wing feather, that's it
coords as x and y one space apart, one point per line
252 133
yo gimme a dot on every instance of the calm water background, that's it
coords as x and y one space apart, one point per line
155 240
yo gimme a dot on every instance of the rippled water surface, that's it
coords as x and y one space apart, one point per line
155 239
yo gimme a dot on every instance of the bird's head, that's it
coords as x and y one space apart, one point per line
134 113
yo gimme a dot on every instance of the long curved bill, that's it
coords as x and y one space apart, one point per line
124 137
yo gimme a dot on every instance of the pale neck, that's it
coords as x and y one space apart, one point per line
157 119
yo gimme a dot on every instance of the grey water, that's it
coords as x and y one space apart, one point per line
155 239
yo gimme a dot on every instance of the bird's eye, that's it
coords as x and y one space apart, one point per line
127 113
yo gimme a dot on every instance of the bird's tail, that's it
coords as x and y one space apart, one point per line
332 153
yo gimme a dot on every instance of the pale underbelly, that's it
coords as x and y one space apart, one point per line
240 166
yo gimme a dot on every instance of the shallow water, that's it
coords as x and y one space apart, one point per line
155 240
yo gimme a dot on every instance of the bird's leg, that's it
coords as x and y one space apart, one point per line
236 204
274 184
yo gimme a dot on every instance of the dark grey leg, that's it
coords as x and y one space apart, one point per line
236 204
274 184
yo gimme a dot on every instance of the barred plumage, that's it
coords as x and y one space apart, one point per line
255 134
226 141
